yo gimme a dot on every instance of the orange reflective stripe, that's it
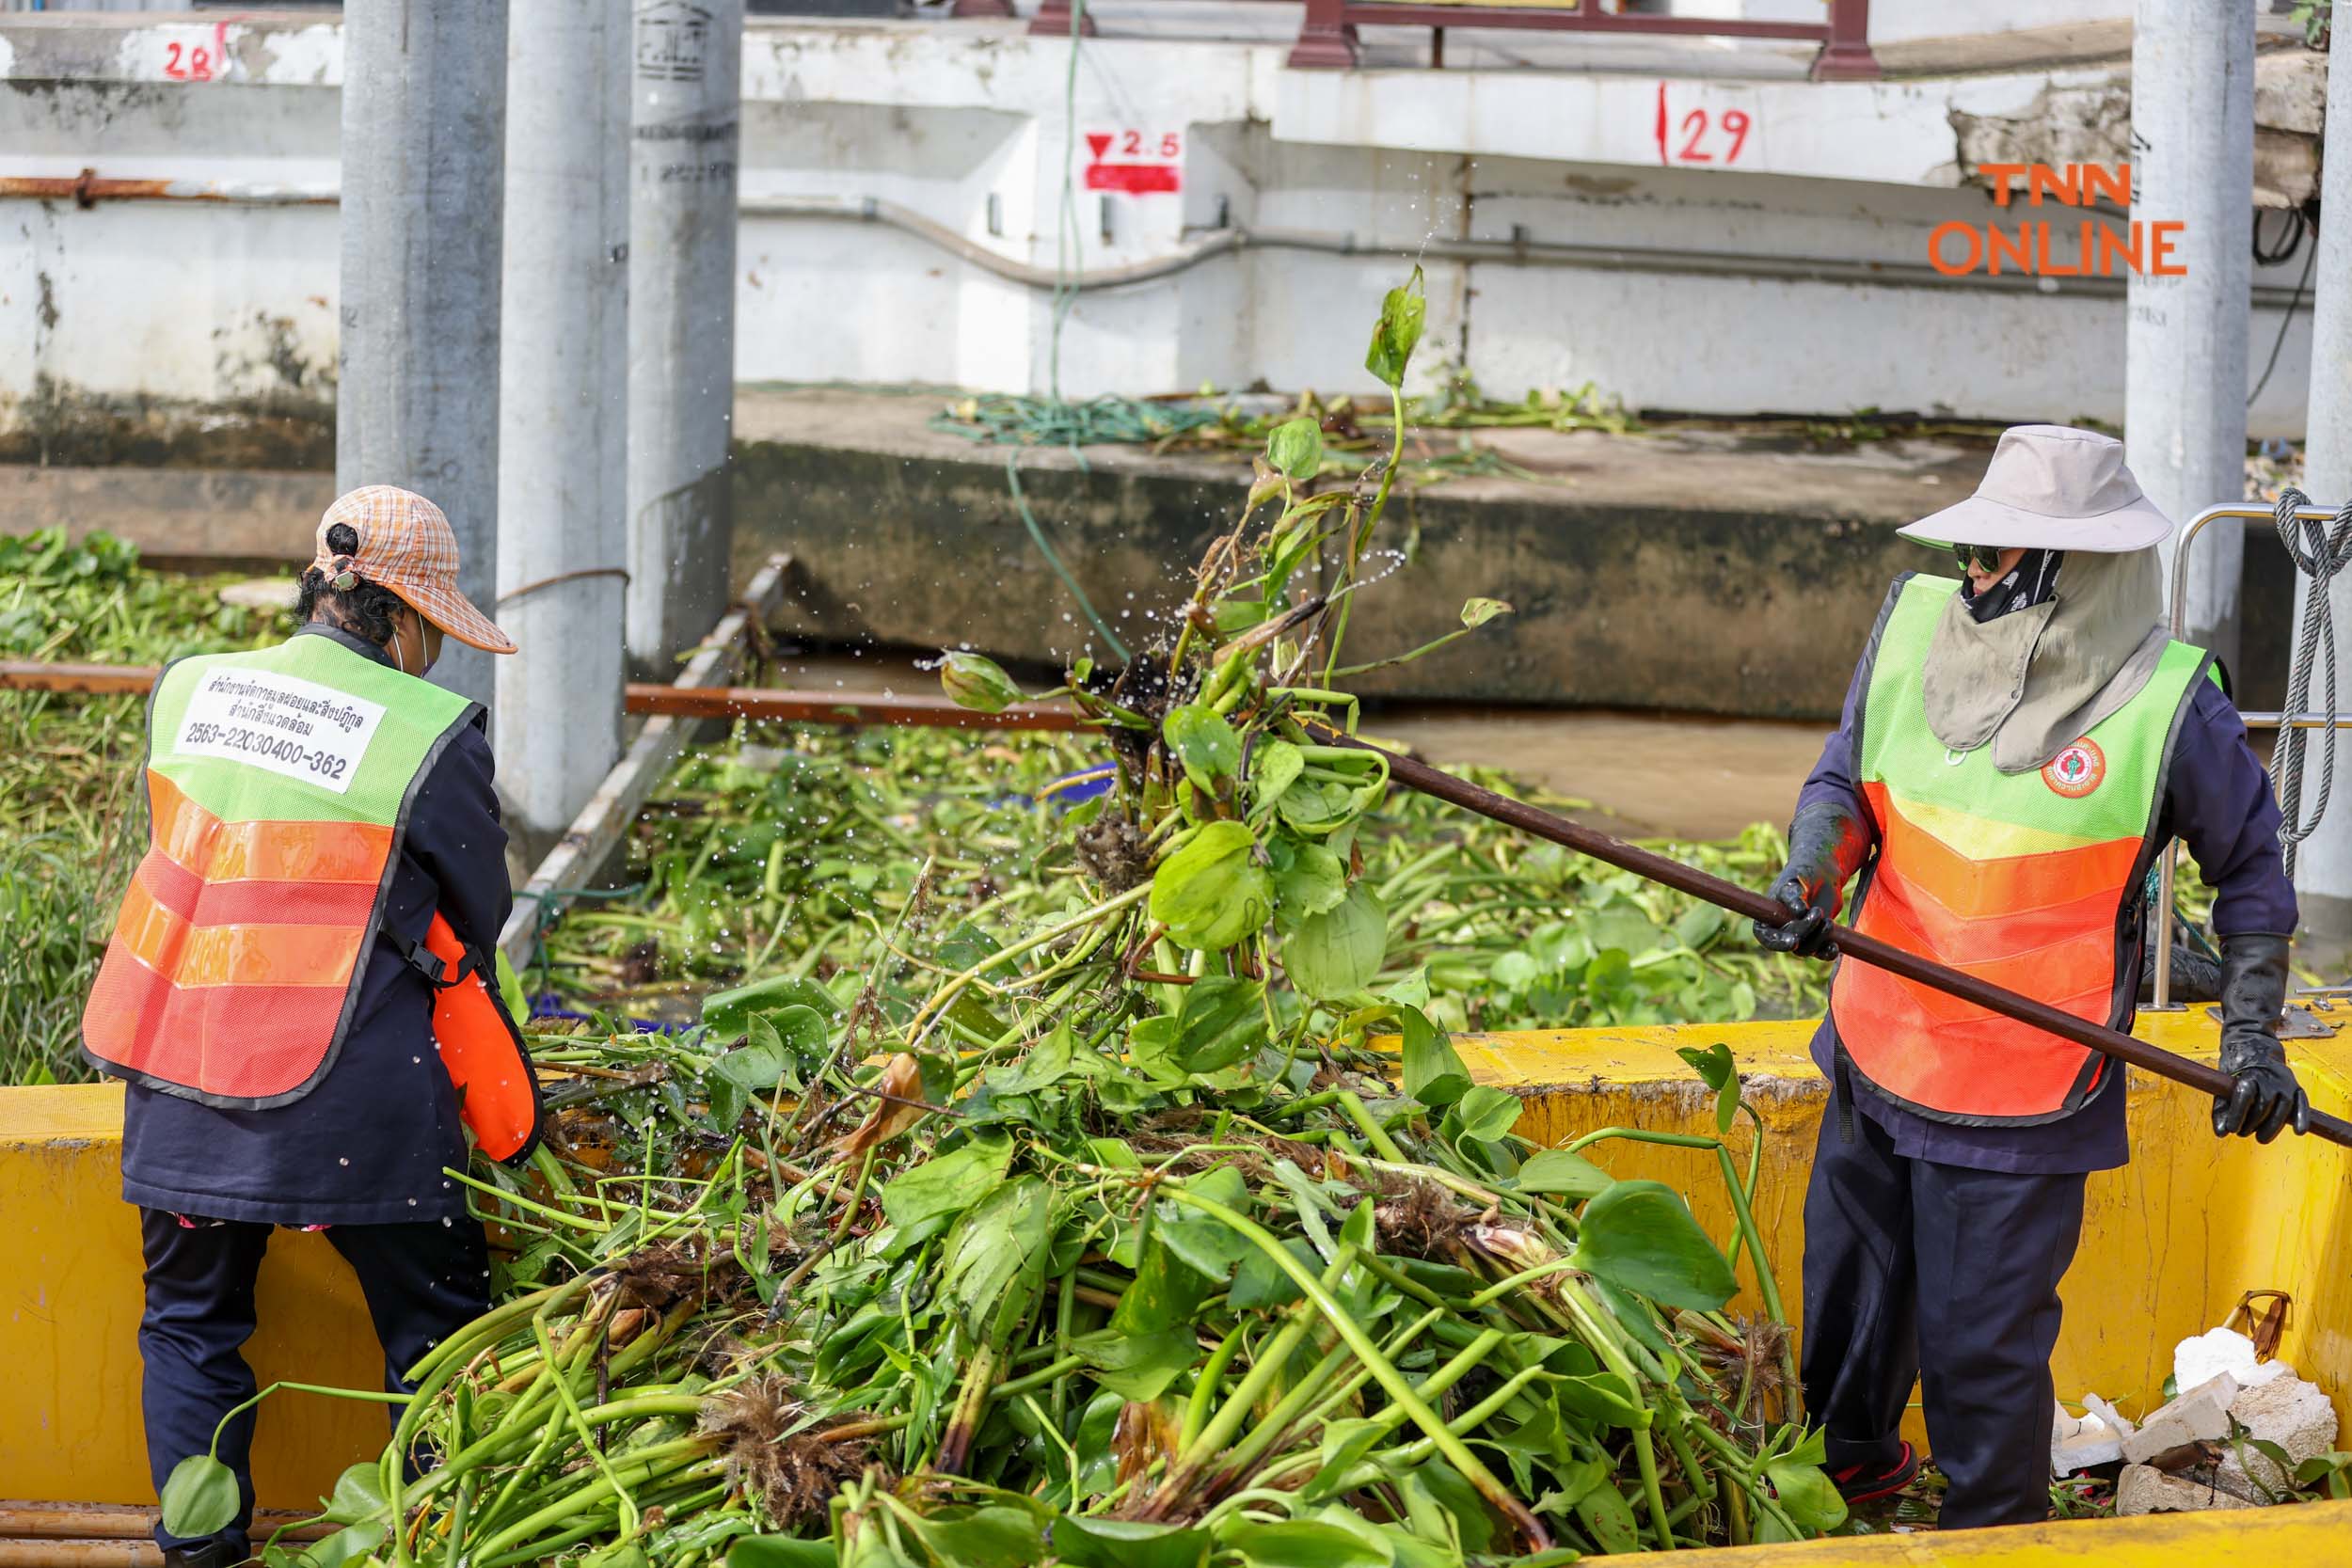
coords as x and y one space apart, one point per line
219 851
1907 917
189 954
2000 887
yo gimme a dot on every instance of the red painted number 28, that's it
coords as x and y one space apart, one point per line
184 64
1732 127
1130 144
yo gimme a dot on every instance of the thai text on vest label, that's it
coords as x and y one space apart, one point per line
295 727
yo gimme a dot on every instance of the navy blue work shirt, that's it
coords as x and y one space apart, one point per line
369 1144
2218 801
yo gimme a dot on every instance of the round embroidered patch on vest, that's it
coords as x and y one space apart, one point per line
2076 772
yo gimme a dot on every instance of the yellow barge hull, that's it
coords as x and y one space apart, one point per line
2170 1244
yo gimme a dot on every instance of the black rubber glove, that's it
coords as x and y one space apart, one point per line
2267 1101
1825 850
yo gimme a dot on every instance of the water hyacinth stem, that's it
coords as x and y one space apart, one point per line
1393 1381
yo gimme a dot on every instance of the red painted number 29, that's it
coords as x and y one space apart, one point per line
185 64
1730 127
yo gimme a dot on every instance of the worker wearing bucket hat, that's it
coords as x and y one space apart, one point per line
295 988
2016 750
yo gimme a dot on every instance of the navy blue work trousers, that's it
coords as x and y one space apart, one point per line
1948 1275
422 1283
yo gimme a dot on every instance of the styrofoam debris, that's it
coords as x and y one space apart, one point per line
2205 1356
2107 1413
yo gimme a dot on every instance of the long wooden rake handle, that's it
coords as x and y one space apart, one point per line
1853 943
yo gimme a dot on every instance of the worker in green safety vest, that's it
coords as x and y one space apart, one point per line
2016 750
293 991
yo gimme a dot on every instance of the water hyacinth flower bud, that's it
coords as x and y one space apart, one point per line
976 683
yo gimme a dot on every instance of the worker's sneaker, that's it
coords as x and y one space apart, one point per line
1867 1483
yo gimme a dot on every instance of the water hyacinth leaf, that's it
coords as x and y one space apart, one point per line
1565 1175
1222 1020
1295 447
1608 1518
1259 1283
1001 1240
349 1545
358 1494
1136 1365
1514 972
920 1200
1698 925
1640 1236
1338 952
1477 613
1344 1441
1445 1509
1297 1543
781 1551
1128 1544
1714 1065
1602 1398
1394 339
1808 1496
1206 1243
1273 767
1212 892
1488 1113
990 1536
1397 1546
1165 1294
200 1497
1434 1072
1308 878
976 683
1203 742
728 1013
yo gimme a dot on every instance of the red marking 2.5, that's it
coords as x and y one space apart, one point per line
1135 163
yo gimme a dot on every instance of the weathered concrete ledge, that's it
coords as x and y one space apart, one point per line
1705 571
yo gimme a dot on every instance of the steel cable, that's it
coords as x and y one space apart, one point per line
2319 551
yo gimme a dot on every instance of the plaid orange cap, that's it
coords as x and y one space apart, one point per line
405 545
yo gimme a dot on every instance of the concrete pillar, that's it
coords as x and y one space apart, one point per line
563 411
2323 872
688 74
2185 376
424 157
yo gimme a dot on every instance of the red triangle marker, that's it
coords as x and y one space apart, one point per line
1100 143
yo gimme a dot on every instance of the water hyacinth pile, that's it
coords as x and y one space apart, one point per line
1118 1240
777 853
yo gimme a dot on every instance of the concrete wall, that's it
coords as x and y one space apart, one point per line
147 321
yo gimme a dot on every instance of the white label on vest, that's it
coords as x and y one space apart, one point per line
295 727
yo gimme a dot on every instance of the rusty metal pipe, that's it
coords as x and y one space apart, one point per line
642 697
86 189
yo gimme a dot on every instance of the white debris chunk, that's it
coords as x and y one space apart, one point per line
2200 1416
2107 1413
2296 1414
2145 1489
2081 1442
2205 1356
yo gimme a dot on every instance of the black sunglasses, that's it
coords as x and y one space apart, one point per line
1985 558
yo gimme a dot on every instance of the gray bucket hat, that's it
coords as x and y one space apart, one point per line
2050 486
